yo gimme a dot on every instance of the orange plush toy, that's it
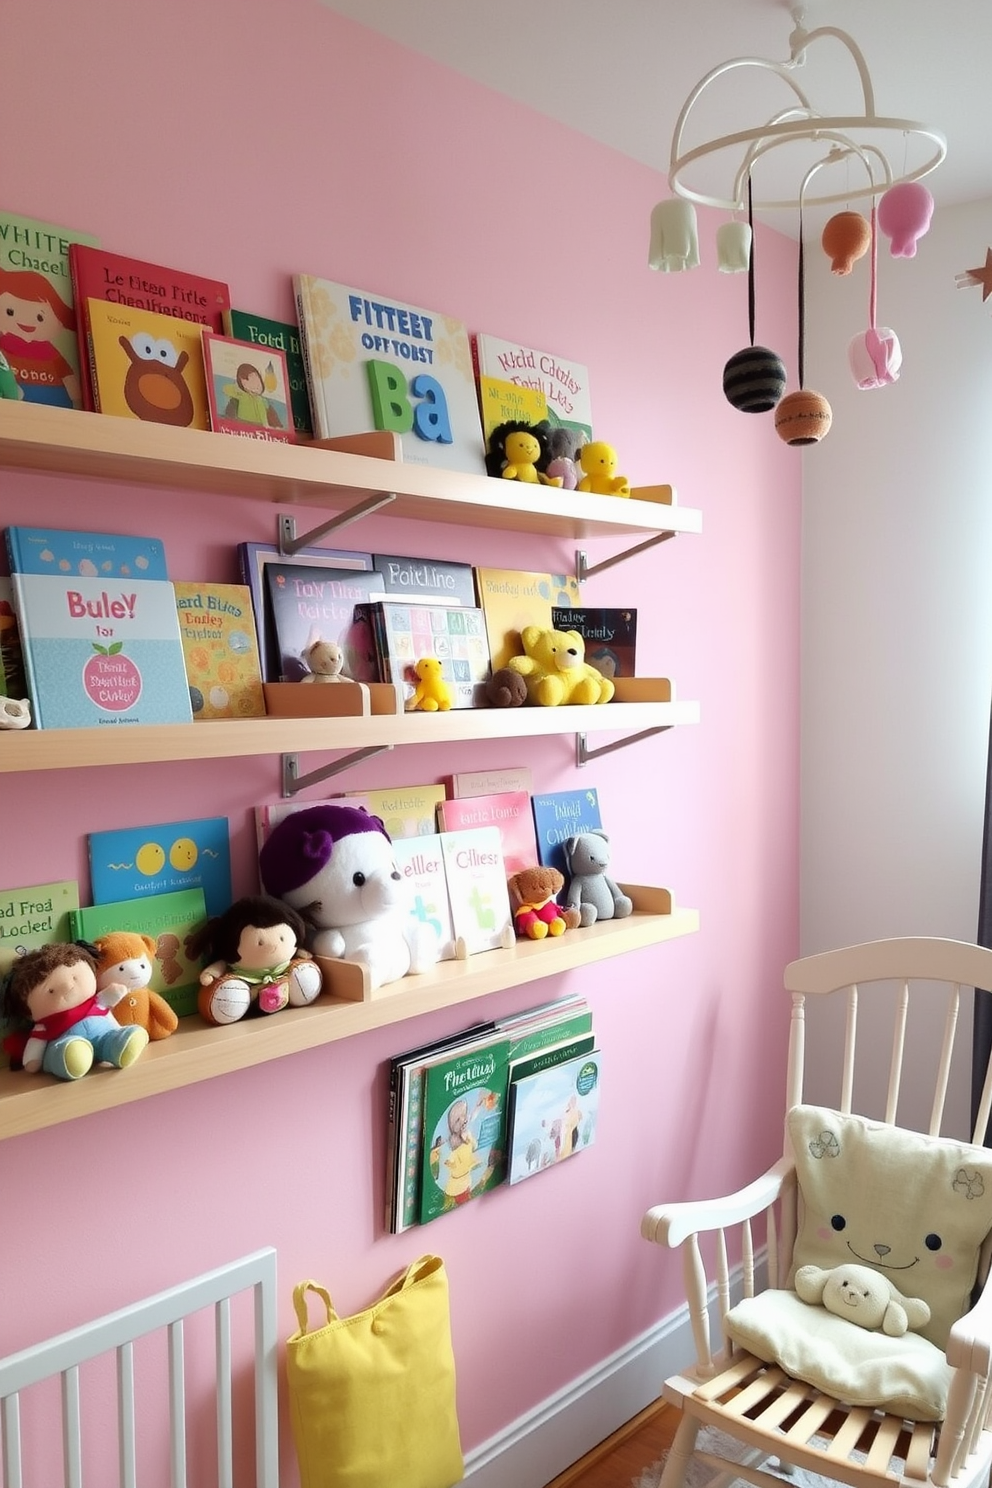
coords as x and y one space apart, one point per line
129 958
536 911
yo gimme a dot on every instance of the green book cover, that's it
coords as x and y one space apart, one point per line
33 917
285 337
169 920
557 1054
530 1038
464 1128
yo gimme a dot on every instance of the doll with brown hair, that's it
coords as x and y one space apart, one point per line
255 961
55 989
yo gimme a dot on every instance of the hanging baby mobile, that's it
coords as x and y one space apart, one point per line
805 139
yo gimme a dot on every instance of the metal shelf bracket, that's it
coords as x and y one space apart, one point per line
293 782
583 754
289 543
585 570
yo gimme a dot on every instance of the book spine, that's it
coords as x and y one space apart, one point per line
321 427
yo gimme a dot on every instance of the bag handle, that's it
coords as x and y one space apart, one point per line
419 1270
300 1303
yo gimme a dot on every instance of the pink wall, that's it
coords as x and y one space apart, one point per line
250 140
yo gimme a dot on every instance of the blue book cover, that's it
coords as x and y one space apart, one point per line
559 815
101 652
553 1115
131 862
253 557
93 555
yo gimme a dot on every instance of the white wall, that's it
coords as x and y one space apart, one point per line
897 601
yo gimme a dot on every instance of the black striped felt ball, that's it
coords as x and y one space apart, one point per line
754 379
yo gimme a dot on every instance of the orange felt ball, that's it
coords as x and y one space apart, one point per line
846 237
803 417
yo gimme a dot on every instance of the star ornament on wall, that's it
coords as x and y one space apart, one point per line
982 275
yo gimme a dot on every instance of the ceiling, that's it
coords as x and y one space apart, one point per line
620 70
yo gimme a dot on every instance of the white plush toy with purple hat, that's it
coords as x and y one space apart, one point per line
335 865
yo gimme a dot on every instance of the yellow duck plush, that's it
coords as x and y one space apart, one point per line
522 451
432 693
599 463
555 670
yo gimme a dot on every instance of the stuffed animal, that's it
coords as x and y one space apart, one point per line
564 445
864 1296
555 669
336 864
127 958
536 911
255 961
506 689
54 987
591 890
599 464
14 713
432 693
519 451
326 662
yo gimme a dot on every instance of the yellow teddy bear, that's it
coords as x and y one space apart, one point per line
555 670
599 463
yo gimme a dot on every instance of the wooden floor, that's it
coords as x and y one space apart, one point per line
619 1459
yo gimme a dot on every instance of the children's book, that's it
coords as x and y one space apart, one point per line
464 1127
29 918
170 920
309 603
129 282
428 581
501 401
38 329
277 335
13 682
247 389
455 634
610 636
491 782
477 892
147 366
563 383
404 810
376 363
420 860
101 652
93 555
509 811
253 557
554 1113
163 858
217 628
559 815
512 598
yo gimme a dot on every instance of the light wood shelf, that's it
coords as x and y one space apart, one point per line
196 1052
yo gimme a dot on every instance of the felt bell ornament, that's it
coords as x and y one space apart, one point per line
674 242
904 213
753 379
875 356
803 417
846 238
733 247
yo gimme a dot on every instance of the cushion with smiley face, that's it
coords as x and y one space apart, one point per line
914 1208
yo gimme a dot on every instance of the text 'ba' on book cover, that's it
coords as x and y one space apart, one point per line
147 366
464 1128
553 1115
38 332
163 858
217 628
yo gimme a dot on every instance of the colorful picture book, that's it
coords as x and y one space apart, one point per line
217 629
509 811
491 782
464 1127
247 389
404 810
564 384
309 603
163 858
403 633
559 815
420 861
129 282
36 303
610 636
553 1114
13 682
501 401
376 363
147 366
277 335
101 652
167 919
430 581
29 918
253 557
477 892
512 598
57 550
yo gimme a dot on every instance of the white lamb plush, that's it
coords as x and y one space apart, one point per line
863 1296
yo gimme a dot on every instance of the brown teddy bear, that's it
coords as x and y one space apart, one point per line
536 911
129 958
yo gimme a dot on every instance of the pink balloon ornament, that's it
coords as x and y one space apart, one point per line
904 214
875 357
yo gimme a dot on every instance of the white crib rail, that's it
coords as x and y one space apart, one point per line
118 1331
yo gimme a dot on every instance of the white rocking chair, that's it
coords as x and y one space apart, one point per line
768 1413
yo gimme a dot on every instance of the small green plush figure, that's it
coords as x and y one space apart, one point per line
9 385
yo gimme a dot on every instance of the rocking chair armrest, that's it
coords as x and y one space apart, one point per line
670 1224
969 1344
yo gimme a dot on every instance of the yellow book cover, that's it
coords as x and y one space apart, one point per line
147 366
511 598
217 627
404 810
501 401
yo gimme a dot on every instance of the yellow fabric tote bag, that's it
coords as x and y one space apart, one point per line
372 1397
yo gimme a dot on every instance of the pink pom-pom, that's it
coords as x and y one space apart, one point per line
875 358
904 214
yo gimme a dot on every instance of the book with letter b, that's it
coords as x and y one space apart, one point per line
147 366
169 920
41 349
101 652
477 891
610 636
217 628
559 815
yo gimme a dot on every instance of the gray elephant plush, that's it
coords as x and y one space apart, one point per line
591 890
